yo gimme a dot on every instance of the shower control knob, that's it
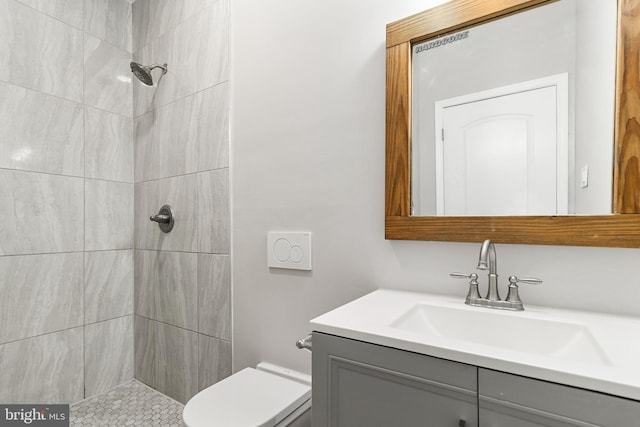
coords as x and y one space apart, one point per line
165 218
162 219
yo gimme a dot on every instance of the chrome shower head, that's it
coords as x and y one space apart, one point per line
143 72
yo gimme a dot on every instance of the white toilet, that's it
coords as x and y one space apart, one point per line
266 396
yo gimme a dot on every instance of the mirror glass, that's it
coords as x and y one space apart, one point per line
516 116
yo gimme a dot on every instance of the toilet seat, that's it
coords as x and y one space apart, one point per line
249 398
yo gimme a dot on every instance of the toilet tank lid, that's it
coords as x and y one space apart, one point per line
248 398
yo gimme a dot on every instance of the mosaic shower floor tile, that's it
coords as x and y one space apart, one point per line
130 404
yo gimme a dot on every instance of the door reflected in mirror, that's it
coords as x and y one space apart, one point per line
516 116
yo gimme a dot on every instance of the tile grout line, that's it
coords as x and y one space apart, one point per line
155 108
44 334
70 252
84 209
72 101
182 175
55 18
183 328
66 176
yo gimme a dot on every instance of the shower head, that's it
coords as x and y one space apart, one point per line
143 72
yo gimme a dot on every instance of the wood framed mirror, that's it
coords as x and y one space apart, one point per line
619 229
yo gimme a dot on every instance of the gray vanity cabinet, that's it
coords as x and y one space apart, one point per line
357 384
507 400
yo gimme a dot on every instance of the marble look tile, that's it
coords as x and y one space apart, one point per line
145 350
153 18
141 24
214 295
175 139
213 45
68 11
180 193
213 218
197 6
185 136
107 77
108 354
176 362
145 273
47 369
39 52
108 285
178 49
108 146
108 215
214 361
40 213
172 150
212 108
166 287
144 153
109 20
39 294
40 132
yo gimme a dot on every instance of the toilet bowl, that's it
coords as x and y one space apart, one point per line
266 396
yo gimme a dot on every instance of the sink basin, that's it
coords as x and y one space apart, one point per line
595 351
510 331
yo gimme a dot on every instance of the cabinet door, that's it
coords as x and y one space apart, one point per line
357 384
507 400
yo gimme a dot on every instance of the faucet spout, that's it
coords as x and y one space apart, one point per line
488 261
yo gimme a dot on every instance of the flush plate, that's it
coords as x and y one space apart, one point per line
289 250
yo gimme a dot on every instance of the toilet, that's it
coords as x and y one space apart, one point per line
265 396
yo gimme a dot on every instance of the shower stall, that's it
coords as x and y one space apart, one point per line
92 293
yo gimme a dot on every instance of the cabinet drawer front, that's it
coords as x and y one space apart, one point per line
510 397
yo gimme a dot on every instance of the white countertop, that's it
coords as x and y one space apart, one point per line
375 318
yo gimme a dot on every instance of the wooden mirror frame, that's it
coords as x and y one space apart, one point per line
621 229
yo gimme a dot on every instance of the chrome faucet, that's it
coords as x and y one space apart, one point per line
488 261
488 250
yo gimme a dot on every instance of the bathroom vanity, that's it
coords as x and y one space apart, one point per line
411 359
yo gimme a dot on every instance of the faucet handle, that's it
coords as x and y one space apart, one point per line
473 285
513 280
472 276
513 296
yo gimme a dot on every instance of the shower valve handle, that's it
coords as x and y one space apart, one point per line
160 219
165 218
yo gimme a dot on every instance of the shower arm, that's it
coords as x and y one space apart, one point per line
163 67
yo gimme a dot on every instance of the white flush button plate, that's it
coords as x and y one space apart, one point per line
290 250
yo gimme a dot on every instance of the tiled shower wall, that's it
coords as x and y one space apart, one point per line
66 199
182 279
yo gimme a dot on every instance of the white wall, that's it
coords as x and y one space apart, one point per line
308 100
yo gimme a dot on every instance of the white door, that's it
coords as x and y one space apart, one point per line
503 155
